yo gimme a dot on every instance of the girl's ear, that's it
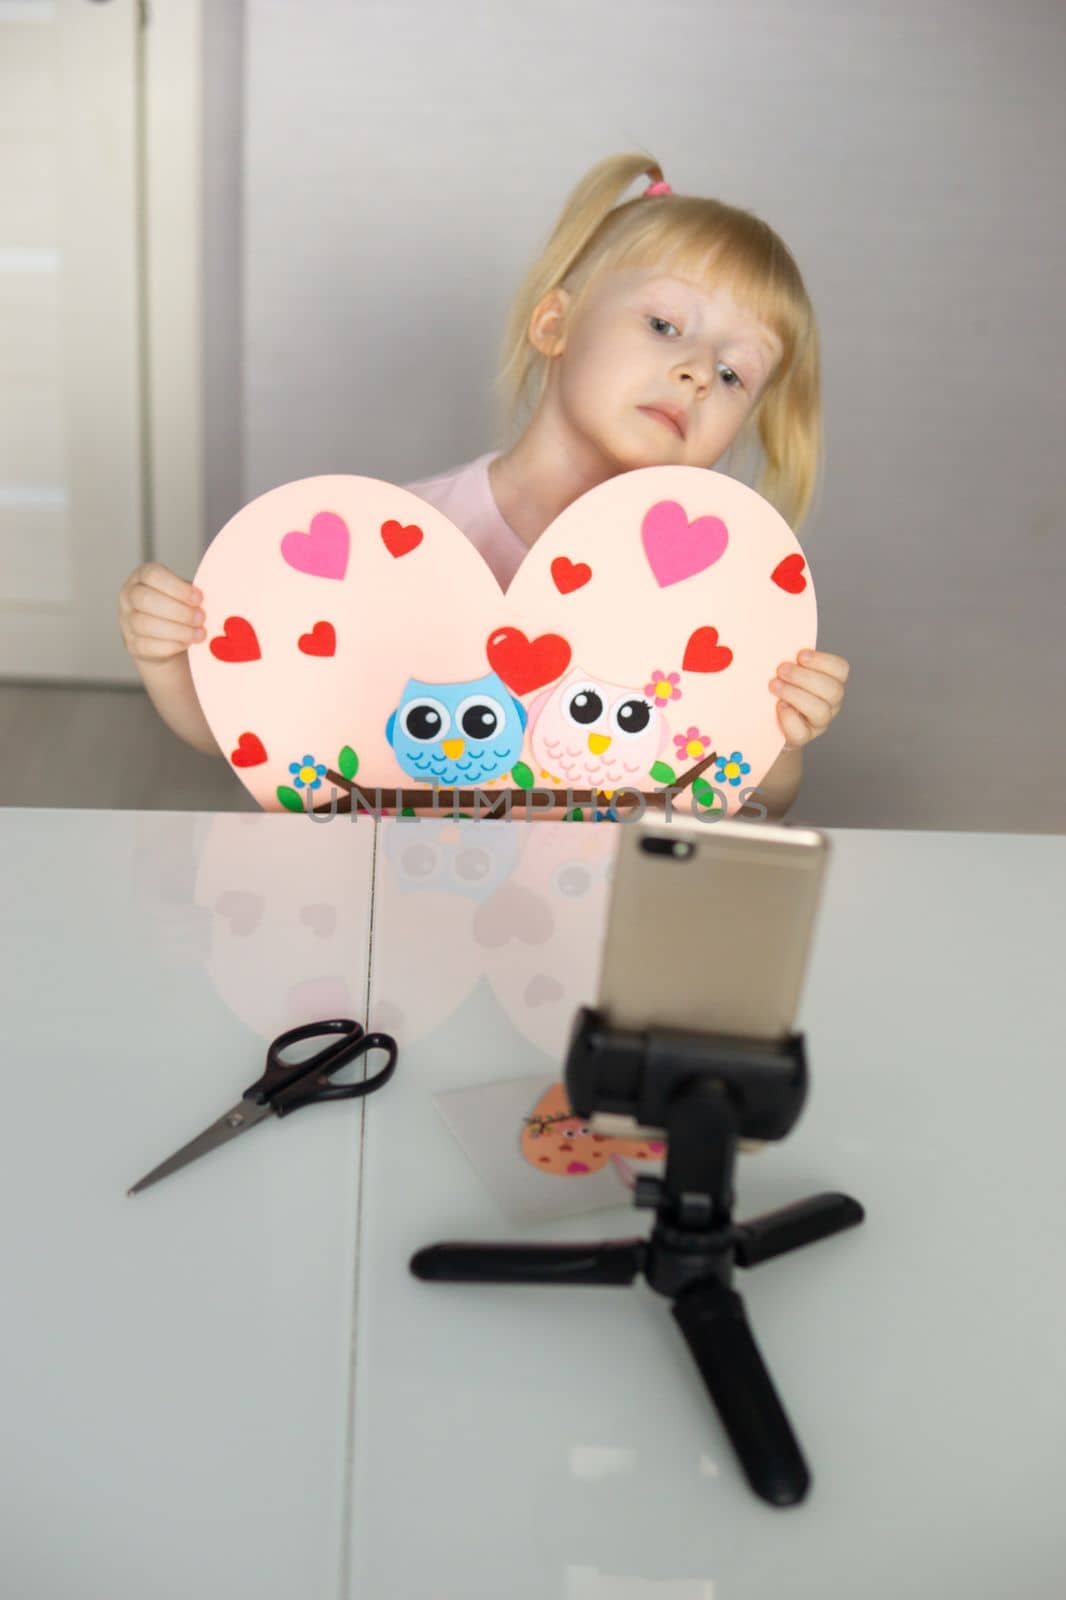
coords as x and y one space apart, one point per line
547 325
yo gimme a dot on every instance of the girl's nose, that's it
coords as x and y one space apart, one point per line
598 743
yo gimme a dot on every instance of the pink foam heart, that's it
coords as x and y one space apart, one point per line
323 550
677 548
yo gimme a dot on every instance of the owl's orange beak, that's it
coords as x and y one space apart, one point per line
453 748
598 743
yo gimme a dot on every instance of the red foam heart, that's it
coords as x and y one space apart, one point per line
236 642
526 664
788 574
569 575
250 751
703 653
400 541
321 641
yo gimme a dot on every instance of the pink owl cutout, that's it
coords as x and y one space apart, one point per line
587 733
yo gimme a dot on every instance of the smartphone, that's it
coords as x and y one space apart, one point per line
709 926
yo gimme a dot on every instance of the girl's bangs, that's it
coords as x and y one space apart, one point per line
735 252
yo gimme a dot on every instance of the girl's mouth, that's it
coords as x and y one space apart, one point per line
650 411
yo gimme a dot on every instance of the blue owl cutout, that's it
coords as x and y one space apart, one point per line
457 734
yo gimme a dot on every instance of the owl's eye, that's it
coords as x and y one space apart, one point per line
631 716
480 716
473 865
584 707
425 719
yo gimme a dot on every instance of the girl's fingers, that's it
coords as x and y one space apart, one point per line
817 713
154 603
146 626
822 661
155 576
827 688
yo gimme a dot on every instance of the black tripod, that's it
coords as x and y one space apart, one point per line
706 1091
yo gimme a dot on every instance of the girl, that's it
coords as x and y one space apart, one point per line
664 329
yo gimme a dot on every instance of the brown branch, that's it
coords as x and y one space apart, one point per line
429 799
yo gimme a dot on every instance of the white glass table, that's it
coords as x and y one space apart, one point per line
232 1385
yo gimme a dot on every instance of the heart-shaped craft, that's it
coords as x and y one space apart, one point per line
556 1141
355 637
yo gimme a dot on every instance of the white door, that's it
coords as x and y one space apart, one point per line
72 470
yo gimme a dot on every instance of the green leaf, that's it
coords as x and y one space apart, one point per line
704 794
408 811
289 798
661 773
522 775
577 815
348 763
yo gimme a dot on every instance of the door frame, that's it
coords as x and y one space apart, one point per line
172 245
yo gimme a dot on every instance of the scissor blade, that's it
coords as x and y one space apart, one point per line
244 1115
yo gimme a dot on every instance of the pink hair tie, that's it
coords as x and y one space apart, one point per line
658 188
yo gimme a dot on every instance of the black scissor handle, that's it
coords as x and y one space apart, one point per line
290 1085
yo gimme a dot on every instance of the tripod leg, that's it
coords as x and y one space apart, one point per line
716 1329
762 1238
616 1262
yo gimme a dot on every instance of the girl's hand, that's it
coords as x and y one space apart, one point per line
811 692
159 613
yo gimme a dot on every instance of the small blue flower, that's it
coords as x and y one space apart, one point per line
307 774
732 769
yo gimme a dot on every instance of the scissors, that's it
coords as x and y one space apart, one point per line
286 1086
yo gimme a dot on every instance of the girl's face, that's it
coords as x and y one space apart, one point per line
645 340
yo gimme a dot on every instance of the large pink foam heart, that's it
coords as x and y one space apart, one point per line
673 555
323 550
677 547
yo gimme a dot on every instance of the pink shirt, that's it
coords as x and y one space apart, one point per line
465 496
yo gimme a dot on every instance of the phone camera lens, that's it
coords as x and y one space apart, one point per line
656 845
659 845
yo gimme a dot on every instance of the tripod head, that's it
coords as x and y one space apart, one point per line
613 1072
704 1091
649 1079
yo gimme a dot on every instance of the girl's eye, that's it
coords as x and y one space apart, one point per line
733 381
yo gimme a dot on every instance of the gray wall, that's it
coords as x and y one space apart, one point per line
402 162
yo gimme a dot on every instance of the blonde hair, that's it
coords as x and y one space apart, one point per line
704 239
